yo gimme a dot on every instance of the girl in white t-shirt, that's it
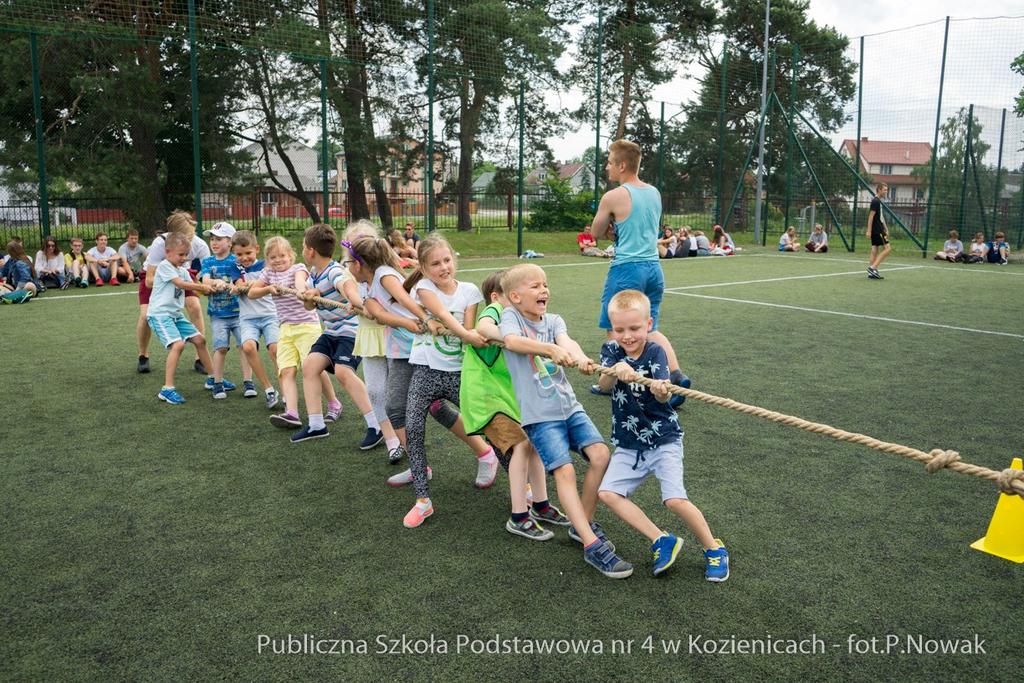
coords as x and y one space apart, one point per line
952 250
375 264
978 249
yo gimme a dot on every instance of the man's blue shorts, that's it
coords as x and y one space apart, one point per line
645 276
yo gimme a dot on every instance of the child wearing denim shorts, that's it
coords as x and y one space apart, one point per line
537 345
647 437
220 270
256 317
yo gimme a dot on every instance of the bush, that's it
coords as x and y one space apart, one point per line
559 210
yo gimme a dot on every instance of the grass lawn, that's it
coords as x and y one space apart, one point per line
148 541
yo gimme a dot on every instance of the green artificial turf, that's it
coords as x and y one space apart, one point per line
146 541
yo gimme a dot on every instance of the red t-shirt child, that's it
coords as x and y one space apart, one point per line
585 239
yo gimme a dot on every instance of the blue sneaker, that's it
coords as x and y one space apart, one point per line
373 438
305 434
716 563
598 531
675 400
602 558
218 390
171 396
250 389
228 386
665 550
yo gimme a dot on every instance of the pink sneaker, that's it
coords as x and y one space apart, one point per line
418 514
486 471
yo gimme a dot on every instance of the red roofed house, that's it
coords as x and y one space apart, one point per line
891 163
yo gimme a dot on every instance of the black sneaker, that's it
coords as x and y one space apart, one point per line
598 531
143 365
395 455
373 438
199 367
305 434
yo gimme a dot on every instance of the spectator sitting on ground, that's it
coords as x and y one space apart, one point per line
588 244
702 244
685 245
818 241
19 280
406 254
952 250
978 249
133 254
722 244
668 243
50 264
412 238
998 250
787 242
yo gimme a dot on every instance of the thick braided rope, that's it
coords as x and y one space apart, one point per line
1008 481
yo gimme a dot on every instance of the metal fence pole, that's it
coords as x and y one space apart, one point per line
519 209
597 106
967 164
856 187
719 170
764 111
193 66
935 144
999 172
793 61
37 105
661 151
324 143
430 116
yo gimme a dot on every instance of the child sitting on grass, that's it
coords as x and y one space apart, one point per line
647 437
537 344
489 407
166 313
75 264
19 282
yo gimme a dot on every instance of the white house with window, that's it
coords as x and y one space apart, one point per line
891 162
579 177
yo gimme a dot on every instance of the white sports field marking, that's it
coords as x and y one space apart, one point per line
780 279
848 315
968 268
68 297
596 262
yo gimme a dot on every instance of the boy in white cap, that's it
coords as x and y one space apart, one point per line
220 270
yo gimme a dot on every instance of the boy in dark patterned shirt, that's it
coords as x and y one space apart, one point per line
647 437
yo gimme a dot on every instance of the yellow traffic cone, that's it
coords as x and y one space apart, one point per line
1005 537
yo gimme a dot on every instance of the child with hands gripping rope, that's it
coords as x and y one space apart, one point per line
333 350
537 345
647 437
437 361
299 328
165 312
256 317
489 407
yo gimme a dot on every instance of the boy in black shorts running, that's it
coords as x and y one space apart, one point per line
878 232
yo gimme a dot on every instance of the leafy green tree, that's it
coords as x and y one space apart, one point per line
558 209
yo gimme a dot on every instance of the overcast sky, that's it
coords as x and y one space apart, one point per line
902 69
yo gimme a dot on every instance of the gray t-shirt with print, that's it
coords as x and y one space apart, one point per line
542 389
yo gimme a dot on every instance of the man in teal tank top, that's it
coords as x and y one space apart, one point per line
633 211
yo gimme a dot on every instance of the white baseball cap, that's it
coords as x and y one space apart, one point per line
221 229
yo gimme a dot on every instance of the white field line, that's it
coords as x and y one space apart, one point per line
780 279
68 297
804 309
595 262
948 268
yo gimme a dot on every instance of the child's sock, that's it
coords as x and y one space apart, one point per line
168 388
316 421
392 443
269 390
541 506
520 517
371 421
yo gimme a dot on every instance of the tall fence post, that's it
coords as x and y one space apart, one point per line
794 60
856 165
37 106
324 142
935 143
999 173
193 66
661 151
967 165
430 116
597 106
719 170
519 209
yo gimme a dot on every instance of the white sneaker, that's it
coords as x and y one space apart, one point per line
486 471
405 478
